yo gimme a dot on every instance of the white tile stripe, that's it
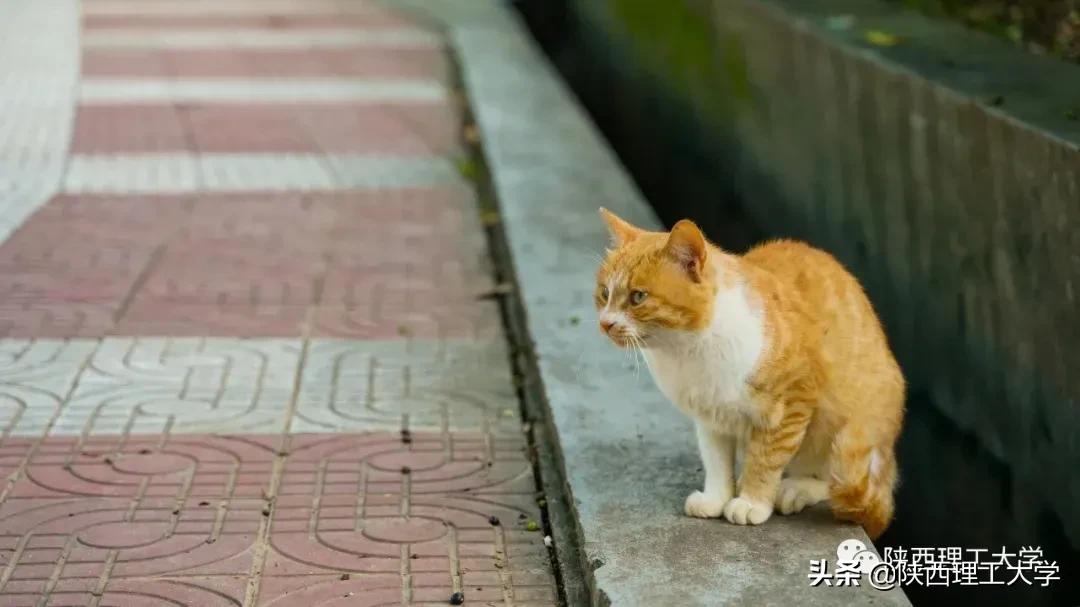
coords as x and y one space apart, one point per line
180 173
38 80
116 91
227 7
124 385
138 39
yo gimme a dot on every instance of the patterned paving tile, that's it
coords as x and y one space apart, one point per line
206 520
129 386
146 385
36 377
420 511
393 384
412 129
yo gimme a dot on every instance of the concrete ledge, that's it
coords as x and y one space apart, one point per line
628 458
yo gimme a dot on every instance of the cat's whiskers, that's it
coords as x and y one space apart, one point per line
636 344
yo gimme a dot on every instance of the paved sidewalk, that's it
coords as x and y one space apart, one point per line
245 357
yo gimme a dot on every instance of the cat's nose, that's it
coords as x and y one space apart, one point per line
606 325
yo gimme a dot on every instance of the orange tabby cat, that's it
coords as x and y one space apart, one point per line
777 356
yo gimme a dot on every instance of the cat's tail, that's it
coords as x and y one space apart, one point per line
863 480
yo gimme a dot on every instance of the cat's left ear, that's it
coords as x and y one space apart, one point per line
686 245
622 232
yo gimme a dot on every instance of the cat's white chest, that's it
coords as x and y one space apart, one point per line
707 375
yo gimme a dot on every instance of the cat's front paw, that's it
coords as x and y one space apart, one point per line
743 511
699 505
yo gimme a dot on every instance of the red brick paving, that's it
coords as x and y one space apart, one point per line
190 517
384 129
55 320
376 63
356 264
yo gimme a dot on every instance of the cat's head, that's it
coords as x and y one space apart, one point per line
653 283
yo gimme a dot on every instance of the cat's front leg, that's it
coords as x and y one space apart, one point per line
718 459
768 452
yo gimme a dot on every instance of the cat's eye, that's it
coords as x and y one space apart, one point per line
636 297
604 293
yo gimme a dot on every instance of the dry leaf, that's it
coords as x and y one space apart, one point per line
471 133
881 38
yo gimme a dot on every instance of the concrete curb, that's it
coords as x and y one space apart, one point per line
627 457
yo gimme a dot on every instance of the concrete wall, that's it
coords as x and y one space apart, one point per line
943 170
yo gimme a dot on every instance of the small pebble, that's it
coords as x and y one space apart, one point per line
344 576
547 541
457 598
494 520
266 512
405 470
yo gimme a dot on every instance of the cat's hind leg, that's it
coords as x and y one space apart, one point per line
799 492
804 483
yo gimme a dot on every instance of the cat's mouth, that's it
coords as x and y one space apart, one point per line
627 340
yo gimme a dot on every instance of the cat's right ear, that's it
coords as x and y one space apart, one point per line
621 231
686 245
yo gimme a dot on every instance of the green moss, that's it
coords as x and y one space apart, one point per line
676 42
468 168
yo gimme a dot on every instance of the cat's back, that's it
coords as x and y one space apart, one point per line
821 281
813 288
